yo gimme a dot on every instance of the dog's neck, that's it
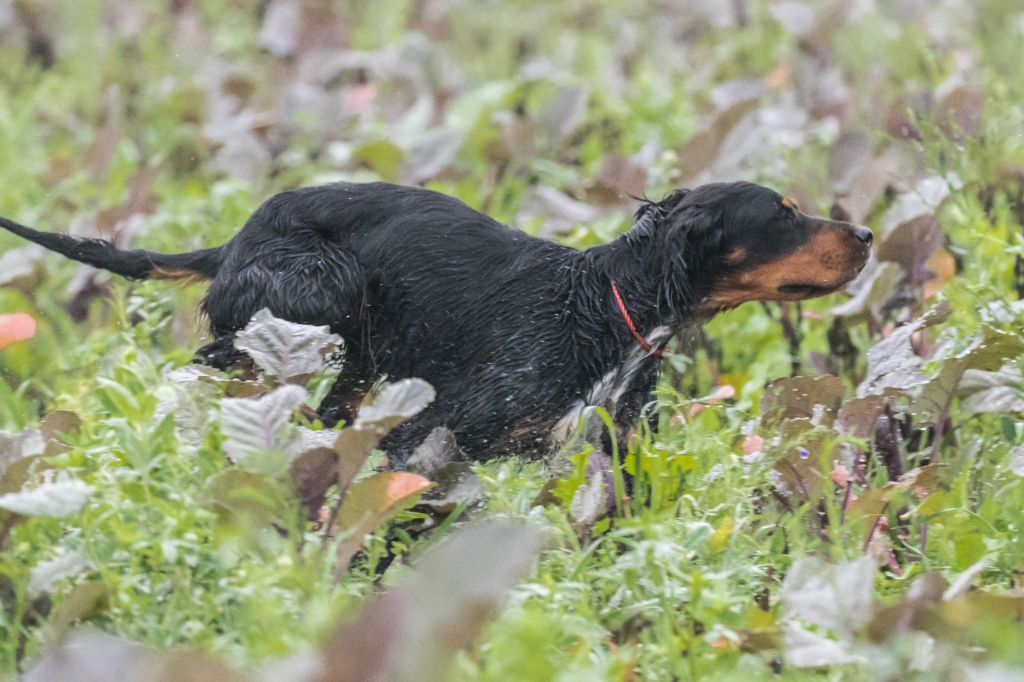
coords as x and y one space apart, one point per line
658 289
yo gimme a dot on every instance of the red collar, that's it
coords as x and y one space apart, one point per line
640 340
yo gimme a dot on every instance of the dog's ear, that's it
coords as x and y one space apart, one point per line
692 227
689 241
651 213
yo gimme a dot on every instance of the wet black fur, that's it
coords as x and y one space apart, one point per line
511 330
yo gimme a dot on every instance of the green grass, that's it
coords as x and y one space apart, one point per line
685 582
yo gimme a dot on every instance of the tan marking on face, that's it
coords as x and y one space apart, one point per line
828 260
737 256
790 203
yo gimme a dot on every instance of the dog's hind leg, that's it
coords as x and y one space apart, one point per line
304 279
308 280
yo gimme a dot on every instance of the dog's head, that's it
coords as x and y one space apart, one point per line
756 245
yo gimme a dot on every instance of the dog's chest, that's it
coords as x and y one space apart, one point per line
608 390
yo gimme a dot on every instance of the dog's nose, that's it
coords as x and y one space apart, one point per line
863 234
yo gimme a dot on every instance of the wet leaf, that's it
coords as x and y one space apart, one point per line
987 352
892 362
800 469
860 415
412 632
397 401
924 200
259 425
910 232
57 499
320 438
439 459
370 502
286 349
868 187
962 584
925 591
992 391
589 502
813 398
282 26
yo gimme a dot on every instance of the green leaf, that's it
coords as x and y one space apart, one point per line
970 547
383 156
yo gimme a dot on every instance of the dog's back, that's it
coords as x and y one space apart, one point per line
314 254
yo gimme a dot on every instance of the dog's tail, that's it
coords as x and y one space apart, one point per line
131 263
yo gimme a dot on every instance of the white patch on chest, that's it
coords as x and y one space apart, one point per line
609 389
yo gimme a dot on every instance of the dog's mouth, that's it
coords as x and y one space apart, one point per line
806 290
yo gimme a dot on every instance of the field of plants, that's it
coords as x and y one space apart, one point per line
835 489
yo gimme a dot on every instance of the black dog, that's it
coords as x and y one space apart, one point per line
516 334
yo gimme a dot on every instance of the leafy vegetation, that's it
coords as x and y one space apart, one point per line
836 489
